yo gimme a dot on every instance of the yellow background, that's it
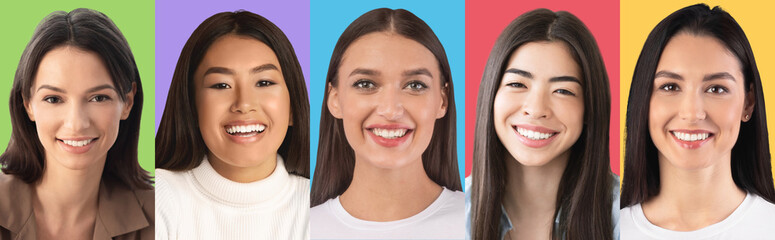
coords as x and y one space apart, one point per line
756 18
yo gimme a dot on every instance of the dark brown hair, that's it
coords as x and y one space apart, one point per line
751 169
179 143
336 158
94 32
584 196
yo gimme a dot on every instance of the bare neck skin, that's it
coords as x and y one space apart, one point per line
381 195
693 199
243 174
65 201
530 197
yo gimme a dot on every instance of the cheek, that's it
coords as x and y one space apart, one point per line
659 113
571 113
277 106
503 106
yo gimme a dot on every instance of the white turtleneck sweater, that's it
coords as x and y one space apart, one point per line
202 204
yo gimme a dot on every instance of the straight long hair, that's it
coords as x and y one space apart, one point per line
336 158
179 143
94 32
751 168
584 197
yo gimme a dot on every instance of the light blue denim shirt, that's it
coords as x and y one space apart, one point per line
506 225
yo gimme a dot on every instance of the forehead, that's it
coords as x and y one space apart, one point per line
69 67
545 58
388 52
236 51
688 54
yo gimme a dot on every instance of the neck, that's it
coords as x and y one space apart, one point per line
244 174
65 197
531 190
693 199
379 194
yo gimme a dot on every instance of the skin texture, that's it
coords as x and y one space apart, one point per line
699 86
239 82
533 94
73 98
388 81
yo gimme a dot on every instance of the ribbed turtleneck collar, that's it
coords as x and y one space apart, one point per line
269 189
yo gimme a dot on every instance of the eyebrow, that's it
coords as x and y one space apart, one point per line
419 71
553 79
227 71
708 77
407 73
90 90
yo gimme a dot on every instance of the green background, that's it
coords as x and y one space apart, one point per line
134 18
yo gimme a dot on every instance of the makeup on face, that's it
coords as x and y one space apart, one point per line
388 95
242 100
697 102
538 109
76 108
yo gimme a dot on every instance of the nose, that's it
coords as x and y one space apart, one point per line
389 105
77 118
244 100
535 105
691 108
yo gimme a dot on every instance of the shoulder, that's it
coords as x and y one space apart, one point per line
761 210
322 215
146 198
615 212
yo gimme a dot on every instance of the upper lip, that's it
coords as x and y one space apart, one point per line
693 131
388 126
243 122
535 128
76 138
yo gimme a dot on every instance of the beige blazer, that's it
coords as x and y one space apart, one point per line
121 214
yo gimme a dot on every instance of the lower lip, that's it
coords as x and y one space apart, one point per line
389 142
74 149
249 139
692 144
534 143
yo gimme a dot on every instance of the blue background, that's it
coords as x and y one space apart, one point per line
330 18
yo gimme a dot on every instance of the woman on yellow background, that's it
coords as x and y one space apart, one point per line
71 169
697 161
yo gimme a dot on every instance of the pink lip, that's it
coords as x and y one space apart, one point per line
534 143
694 144
74 149
241 139
385 142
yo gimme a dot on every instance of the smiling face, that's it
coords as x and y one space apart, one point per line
698 102
539 107
76 108
242 102
389 95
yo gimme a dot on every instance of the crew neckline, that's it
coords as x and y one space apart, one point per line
641 222
342 215
228 192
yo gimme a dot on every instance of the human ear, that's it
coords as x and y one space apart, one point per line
750 102
130 101
333 102
444 102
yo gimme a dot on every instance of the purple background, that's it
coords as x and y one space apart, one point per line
176 20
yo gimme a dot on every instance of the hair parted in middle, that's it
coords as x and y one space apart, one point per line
336 158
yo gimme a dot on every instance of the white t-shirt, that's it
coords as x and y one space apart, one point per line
443 219
202 204
753 219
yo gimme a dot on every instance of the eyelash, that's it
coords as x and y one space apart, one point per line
52 99
416 86
364 84
220 86
560 91
96 98
104 98
715 89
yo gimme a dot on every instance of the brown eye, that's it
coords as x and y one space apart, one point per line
220 86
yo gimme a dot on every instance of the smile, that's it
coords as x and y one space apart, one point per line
389 133
690 137
534 135
76 145
245 130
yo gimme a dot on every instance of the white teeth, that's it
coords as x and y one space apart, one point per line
245 128
532 135
77 143
388 133
691 137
